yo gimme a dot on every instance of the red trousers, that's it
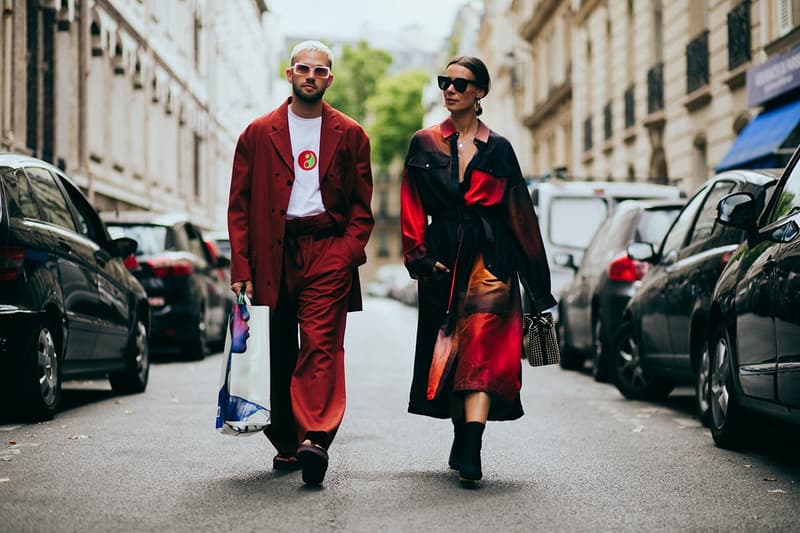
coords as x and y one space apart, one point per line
308 382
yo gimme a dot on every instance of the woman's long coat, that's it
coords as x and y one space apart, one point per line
486 232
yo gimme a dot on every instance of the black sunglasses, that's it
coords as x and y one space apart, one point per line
460 84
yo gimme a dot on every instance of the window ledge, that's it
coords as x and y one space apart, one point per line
737 77
656 119
608 146
629 135
587 157
697 98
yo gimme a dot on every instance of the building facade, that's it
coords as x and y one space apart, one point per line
140 101
654 90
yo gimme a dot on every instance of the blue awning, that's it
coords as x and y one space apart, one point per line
759 140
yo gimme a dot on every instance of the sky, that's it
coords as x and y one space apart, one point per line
349 18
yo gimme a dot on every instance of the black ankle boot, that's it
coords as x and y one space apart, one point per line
457 449
470 467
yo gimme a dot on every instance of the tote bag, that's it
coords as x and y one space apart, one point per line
243 399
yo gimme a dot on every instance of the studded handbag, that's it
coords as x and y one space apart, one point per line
539 340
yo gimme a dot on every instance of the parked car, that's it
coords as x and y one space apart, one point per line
221 242
557 202
663 339
188 300
68 306
591 306
755 313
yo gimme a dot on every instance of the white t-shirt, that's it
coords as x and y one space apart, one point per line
305 199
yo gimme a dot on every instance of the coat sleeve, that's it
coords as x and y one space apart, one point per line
525 226
360 220
239 210
413 222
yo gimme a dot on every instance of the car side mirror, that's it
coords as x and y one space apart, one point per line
738 210
123 247
222 262
565 260
641 251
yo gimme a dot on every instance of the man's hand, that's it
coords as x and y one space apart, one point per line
237 287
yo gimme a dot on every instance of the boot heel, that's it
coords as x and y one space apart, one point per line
457 449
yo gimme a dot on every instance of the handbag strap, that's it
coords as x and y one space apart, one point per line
529 296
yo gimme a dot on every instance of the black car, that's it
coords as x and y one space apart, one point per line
68 306
663 340
590 307
188 298
755 313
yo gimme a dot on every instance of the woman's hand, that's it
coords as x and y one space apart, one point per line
439 268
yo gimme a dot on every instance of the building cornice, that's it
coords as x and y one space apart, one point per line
537 22
560 95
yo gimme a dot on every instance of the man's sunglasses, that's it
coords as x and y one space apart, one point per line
460 84
320 71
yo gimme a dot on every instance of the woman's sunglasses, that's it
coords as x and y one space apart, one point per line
459 84
320 71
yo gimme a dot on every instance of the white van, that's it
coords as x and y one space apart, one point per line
571 211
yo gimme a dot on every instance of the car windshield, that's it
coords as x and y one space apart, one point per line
573 221
654 223
151 239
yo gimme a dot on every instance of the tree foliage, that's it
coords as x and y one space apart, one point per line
395 112
356 71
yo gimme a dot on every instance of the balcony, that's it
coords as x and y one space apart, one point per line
697 63
655 88
739 35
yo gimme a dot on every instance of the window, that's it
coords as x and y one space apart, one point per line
52 202
706 224
20 199
677 234
88 223
789 199
653 225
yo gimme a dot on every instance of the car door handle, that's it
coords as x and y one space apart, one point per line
64 246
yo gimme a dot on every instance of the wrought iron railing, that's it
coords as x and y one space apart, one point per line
655 88
630 114
739 35
697 62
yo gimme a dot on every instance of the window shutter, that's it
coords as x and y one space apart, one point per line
785 17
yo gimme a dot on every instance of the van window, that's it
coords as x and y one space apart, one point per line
573 221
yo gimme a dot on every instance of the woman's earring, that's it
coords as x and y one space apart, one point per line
477 106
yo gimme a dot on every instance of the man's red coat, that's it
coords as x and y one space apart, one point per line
261 183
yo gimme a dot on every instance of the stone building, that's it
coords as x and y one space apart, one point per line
657 90
140 101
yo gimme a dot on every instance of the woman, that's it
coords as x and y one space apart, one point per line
483 234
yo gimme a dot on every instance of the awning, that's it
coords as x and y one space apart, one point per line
756 145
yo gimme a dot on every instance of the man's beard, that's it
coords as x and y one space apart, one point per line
307 98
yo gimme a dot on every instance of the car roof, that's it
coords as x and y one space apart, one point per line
760 176
607 187
149 218
8 159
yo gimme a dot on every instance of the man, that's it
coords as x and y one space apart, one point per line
299 218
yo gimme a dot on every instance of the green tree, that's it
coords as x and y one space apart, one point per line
395 113
356 72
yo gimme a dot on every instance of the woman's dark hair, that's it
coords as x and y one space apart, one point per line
478 69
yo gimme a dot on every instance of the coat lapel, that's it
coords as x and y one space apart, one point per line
329 139
280 135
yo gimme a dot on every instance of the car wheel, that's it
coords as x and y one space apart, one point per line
133 379
40 386
197 349
632 380
727 420
601 367
570 359
701 384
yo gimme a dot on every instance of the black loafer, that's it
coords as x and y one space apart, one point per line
314 461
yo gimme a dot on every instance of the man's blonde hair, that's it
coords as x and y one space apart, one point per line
312 45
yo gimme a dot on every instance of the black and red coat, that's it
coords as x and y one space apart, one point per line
485 230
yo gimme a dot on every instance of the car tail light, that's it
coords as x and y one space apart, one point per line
165 268
11 259
724 258
623 268
131 263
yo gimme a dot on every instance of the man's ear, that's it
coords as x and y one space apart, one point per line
330 80
289 74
